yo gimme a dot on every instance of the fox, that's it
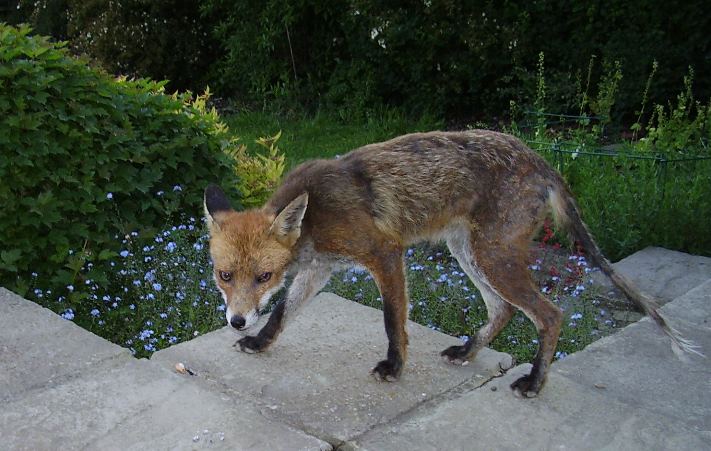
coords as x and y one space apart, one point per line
484 193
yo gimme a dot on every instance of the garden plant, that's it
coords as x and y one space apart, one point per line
102 181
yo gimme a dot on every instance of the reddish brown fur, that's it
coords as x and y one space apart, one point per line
483 192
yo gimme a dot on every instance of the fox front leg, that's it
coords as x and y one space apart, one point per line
389 275
307 283
265 337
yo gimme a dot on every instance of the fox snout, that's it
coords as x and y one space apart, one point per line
238 322
241 321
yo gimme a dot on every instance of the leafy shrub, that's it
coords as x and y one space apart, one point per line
86 158
258 174
684 128
655 191
142 38
452 59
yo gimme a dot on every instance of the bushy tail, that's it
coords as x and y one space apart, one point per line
567 216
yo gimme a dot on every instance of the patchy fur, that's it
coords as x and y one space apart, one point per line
483 192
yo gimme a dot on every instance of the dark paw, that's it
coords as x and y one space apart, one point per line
526 386
251 345
387 370
456 355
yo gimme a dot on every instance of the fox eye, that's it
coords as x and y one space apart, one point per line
226 276
264 277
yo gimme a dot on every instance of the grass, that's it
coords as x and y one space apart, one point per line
631 201
323 135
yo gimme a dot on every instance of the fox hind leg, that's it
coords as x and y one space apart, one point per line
499 311
498 269
507 273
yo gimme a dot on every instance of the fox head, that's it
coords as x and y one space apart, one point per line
250 252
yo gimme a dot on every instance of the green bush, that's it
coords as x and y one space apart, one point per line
86 158
164 40
258 174
458 60
160 40
452 59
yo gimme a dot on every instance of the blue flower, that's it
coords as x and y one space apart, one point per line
170 247
109 196
157 286
145 334
177 188
68 314
123 253
95 313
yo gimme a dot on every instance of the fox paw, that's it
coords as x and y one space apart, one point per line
526 386
387 371
456 355
251 345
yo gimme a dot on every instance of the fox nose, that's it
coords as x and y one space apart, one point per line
237 322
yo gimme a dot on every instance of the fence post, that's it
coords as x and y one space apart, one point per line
557 156
662 178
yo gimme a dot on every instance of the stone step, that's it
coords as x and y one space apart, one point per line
624 392
316 376
130 404
38 348
665 274
65 388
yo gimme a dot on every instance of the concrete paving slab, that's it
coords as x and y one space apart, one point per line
637 367
694 307
316 376
665 274
38 347
566 416
129 404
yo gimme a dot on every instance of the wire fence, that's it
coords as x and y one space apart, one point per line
573 149
632 198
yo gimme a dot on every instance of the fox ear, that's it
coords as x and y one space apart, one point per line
287 225
216 205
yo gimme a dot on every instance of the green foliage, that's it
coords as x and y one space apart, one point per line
324 135
147 297
452 59
684 128
456 60
637 126
86 158
650 192
258 174
139 38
